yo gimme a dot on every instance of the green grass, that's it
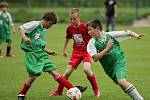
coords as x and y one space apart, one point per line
13 73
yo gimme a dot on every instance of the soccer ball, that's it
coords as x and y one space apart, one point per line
74 94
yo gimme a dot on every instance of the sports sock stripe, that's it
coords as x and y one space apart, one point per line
130 89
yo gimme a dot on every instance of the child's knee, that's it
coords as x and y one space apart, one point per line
122 82
88 72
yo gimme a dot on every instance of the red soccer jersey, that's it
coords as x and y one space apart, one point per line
80 36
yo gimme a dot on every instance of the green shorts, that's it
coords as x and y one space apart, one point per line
5 34
5 38
119 71
36 63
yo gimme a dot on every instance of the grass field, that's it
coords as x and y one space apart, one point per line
13 73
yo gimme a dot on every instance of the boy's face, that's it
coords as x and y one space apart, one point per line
92 32
75 18
47 24
4 8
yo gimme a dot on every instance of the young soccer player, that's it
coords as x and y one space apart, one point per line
78 31
36 55
6 24
105 48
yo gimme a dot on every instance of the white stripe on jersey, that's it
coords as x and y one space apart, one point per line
119 35
30 26
91 49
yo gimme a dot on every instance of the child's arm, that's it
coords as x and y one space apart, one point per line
91 49
50 52
136 35
24 37
123 35
99 55
11 23
65 47
27 28
13 29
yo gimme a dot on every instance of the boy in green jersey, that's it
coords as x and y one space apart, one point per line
6 24
36 55
104 46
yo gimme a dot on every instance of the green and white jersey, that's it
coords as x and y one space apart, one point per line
5 22
36 32
114 55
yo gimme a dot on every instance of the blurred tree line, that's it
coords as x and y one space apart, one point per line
26 10
75 3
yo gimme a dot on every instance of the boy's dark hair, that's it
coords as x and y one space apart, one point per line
4 4
95 23
50 16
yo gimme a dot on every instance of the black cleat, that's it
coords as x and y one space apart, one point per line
82 88
21 97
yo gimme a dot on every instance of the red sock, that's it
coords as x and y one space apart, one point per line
24 89
60 88
61 80
93 82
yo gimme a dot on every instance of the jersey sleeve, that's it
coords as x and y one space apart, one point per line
119 35
91 49
29 27
10 19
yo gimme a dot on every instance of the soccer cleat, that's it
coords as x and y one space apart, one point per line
55 93
81 88
97 93
21 97
10 55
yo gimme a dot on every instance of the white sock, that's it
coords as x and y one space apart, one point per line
132 91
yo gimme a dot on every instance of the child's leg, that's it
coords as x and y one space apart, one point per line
91 77
60 87
8 46
130 89
107 23
113 23
61 80
8 51
27 85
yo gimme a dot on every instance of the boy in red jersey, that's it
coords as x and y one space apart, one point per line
78 31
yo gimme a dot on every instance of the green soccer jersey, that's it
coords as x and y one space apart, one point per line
113 60
36 59
5 25
108 61
35 31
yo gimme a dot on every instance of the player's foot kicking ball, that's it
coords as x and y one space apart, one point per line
81 88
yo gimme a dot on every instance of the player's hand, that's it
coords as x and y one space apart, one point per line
65 54
109 44
140 35
27 40
115 15
13 31
53 53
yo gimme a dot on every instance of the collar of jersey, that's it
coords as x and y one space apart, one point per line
40 23
104 37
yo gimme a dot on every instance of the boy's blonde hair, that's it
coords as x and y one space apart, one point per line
74 10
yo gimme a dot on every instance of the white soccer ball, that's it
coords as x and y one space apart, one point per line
74 94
